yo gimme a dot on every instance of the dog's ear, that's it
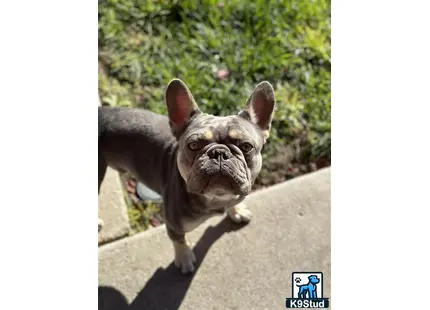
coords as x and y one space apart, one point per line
260 106
180 106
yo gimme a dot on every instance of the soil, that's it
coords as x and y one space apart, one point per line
286 164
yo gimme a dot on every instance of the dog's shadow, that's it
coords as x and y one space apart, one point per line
166 288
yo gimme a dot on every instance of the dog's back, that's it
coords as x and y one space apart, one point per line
128 137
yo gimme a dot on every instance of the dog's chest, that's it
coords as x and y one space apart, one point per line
190 223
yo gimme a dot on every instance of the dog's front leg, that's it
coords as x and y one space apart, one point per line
314 293
240 213
184 256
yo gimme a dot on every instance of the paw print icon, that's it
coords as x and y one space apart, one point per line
298 280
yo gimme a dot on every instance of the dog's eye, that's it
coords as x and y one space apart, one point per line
193 145
246 147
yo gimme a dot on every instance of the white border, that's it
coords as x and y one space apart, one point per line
48 125
380 173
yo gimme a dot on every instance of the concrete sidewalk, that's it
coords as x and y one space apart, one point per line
112 207
238 267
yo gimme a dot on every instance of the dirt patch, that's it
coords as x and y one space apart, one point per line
287 163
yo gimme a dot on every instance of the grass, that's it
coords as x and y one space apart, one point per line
144 44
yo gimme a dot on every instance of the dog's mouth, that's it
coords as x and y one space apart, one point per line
218 185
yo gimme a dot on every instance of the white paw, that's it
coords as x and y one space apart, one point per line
240 213
184 258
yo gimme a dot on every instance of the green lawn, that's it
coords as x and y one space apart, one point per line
144 44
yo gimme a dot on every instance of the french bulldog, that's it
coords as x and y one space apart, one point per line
199 163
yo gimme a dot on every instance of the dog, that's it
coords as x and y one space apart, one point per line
201 164
310 289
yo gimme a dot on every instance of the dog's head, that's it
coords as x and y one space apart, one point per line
313 279
219 156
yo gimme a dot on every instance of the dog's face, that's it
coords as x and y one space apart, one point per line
219 156
314 279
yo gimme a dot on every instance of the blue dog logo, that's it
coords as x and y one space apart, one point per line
309 290
309 295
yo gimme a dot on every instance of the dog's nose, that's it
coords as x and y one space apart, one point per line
220 154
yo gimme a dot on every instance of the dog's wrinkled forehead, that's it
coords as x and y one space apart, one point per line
222 127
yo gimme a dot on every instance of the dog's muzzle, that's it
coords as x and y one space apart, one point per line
219 172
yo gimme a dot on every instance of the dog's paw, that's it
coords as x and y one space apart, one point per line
184 258
100 224
240 213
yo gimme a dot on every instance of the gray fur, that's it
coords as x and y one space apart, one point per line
194 184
